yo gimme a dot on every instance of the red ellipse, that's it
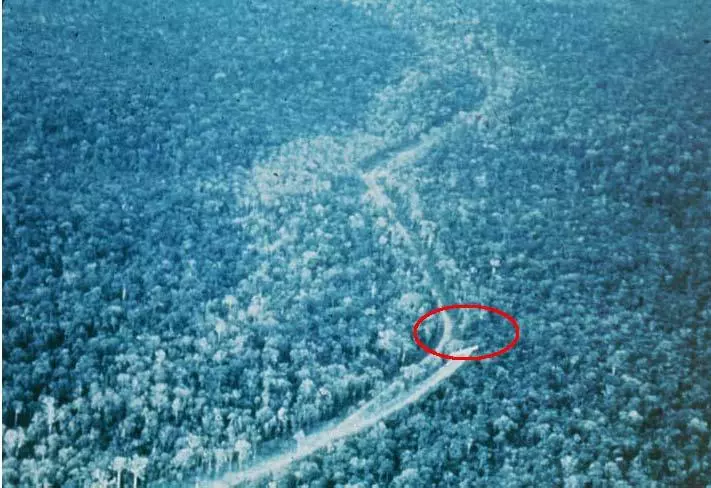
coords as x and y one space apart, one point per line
456 306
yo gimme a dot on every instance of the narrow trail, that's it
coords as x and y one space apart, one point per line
385 166
397 396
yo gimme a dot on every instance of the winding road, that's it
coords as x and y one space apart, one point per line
393 398
388 189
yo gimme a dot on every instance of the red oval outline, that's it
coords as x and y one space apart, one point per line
476 306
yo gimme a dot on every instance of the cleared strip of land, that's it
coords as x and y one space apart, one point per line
397 396
388 189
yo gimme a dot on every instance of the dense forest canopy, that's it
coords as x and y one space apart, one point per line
221 220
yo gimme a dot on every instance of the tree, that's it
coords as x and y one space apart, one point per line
31 469
220 328
49 404
14 438
283 417
18 409
221 459
243 448
299 437
385 469
100 479
119 465
40 451
307 471
176 407
182 458
196 446
137 468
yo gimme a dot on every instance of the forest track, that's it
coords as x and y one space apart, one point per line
388 172
397 396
